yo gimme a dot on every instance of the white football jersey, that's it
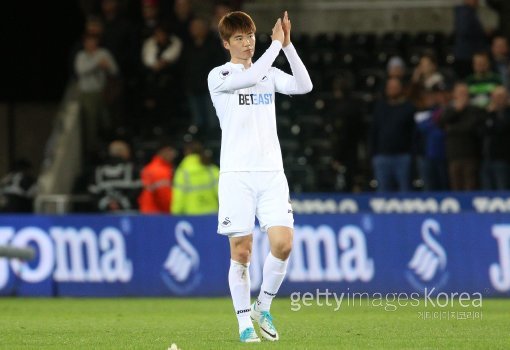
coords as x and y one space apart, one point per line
244 100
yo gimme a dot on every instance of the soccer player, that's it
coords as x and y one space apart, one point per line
252 182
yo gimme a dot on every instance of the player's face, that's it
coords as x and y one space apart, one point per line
241 46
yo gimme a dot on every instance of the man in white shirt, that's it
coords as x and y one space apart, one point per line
252 182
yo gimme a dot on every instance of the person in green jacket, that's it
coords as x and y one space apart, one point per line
195 186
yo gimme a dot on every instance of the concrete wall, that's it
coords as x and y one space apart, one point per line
32 125
349 16
4 140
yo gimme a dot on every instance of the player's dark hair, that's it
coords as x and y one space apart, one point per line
233 22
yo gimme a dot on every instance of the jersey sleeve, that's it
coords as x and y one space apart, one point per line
223 79
299 82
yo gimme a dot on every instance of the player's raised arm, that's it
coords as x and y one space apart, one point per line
299 82
286 26
227 80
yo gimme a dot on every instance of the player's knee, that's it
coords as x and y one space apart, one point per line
241 255
282 249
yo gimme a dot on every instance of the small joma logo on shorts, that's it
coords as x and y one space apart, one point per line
226 222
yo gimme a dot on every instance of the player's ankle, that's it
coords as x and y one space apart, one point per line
262 305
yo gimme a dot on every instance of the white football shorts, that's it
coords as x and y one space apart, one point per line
249 194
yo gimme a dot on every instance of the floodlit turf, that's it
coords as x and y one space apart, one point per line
210 324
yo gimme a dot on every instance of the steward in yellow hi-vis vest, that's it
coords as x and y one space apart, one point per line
195 186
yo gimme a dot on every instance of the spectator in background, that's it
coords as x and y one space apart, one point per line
115 185
220 9
17 189
425 76
501 59
496 142
392 139
150 18
502 7
469 36
195 186
433 167
461 122
118 37
92 66
160 53
157 179
181 19
396 68
483 80
93 26
200 56
161 49
345 114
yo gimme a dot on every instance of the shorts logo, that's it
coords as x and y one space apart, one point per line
224 73
226 222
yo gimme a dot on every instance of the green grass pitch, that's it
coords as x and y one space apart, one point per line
32 323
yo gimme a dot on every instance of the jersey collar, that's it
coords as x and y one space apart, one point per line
236 65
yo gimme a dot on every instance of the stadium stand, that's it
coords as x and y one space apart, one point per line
311 129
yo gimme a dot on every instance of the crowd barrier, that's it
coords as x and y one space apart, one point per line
183 256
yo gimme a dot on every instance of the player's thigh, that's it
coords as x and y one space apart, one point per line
236 214
280 241
273 206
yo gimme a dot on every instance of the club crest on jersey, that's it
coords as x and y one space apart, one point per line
224 73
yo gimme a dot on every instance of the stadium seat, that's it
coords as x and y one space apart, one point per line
414 53
370 80
381 56
300 176
302 41
319 80
327 41
281 63
430 39
363 41
353 59
395 40
447 58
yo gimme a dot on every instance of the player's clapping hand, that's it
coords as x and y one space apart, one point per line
278 31
286 25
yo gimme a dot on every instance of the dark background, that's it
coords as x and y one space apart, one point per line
36 37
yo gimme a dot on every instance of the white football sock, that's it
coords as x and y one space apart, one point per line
239 283
272 278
